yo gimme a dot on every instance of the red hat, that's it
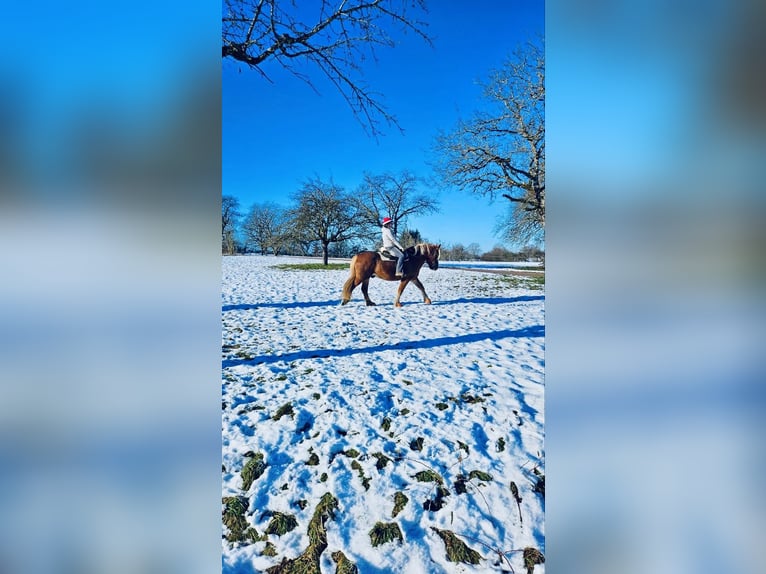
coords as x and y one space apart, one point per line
387 220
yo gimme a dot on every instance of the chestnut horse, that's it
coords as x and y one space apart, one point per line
369 264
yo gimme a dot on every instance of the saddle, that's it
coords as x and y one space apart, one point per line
388 256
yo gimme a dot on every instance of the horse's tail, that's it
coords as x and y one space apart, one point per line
348 286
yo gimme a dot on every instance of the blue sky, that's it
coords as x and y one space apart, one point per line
276 135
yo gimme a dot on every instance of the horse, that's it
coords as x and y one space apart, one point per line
370 264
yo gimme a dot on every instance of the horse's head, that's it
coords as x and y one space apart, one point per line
432 253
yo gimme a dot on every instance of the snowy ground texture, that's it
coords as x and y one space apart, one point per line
437 405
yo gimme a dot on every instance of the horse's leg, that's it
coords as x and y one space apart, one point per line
402 284
419 285
367 299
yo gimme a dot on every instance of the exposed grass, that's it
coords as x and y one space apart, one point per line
442 406
344 565
286 409
463 446
234 520
429 476
365 479
381 460
384 532
386 424
313 460
457 550
269 550
310 266
352 453
234 517
532 556
417 444
308 562
281 524
253 469
400 501
437 502
483 476
500 444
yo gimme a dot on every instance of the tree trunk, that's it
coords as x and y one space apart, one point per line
324 252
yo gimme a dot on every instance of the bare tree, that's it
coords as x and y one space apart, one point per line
324 213
392 195
229 216
263 227
501 151
335 36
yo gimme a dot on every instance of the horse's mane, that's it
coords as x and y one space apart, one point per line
425 248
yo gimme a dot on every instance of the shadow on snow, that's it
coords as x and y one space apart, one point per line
526 332
335 302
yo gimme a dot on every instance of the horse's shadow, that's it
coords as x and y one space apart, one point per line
493 300
526 332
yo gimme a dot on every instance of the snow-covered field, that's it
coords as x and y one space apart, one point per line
438 408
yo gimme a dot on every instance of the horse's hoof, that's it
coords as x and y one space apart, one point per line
397 304
427 301
370 304
344 301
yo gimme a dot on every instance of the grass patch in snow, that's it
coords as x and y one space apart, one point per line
483 476
234 520
365 479
381 460
308 562
437 502
344 565
500 444
442 406
269 550
386 424
385 532
310 266
285 409
281 524
429 476
252 470
400 501
417 444
457 550
313 460
532 556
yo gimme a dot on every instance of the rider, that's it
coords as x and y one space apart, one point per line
391 245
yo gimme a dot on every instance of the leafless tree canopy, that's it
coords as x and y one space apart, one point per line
229 216
324 213
264 227
392 195
335 36
501 151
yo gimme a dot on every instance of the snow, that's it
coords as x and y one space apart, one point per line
461 374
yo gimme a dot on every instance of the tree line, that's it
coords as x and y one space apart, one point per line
324 218
497 152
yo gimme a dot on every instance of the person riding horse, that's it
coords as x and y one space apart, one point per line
391 245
